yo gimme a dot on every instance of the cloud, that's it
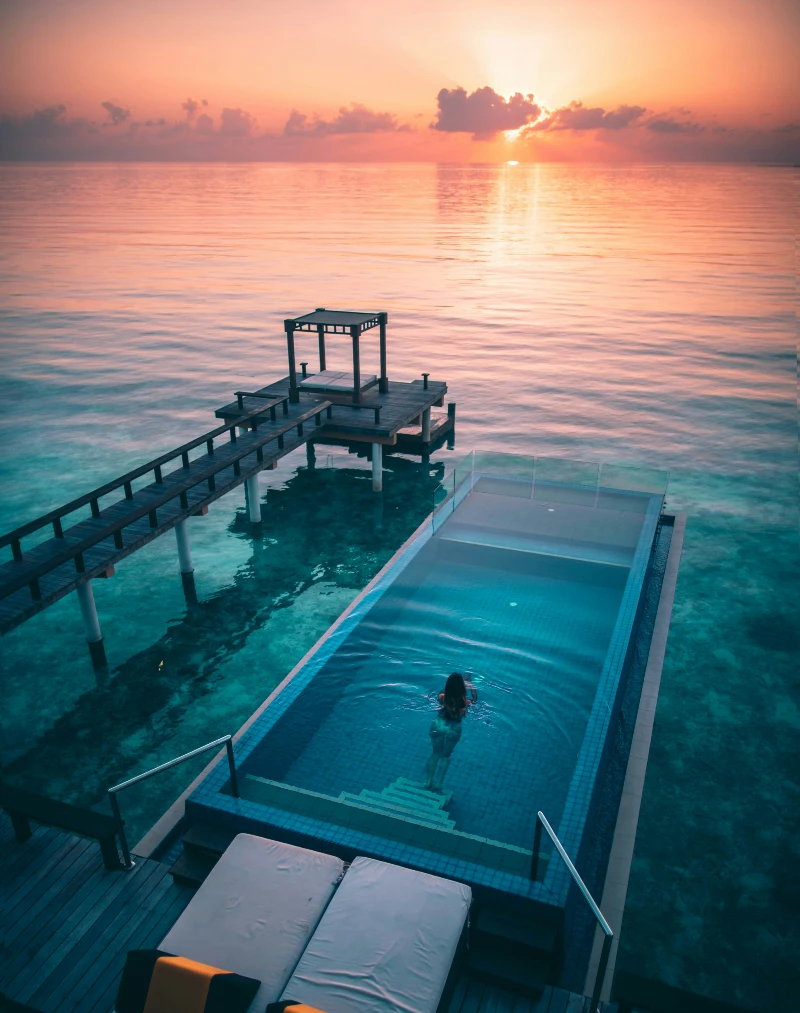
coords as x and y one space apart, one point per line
235 123
669 125
358 119
576 116
191 107
41 123
116 114
156 123
483 113
41 127
205 124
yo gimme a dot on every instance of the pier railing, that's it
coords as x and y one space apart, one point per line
226 740
74 550
608 935
54 517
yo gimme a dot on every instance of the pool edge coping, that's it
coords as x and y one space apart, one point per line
620 859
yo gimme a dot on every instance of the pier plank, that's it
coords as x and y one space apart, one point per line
76 921
400 405
149 935
45 898
57 852
21 854
117 922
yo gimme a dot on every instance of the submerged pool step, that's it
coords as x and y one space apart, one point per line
405 799
398 808
418 788
382 805
415 829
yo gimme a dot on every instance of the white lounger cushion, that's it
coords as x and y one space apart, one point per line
256 911
386 942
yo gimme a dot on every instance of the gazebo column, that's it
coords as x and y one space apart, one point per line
355 332
321 336
294 393
383 385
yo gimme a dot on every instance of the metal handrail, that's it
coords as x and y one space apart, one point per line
226 740
608 935
54 516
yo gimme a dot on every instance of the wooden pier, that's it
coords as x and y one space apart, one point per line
52 556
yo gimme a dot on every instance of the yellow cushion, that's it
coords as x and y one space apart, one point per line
179 985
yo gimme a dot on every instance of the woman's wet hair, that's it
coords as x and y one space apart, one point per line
455 692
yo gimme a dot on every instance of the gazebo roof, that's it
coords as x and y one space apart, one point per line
336 321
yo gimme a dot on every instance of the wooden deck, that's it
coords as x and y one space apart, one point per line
399 407
66 923
474 996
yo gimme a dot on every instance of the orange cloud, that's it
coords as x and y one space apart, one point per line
483 113
467 127
358 119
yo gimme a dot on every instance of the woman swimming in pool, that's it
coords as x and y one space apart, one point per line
446 729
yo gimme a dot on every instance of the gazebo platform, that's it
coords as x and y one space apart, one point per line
376 418
367 408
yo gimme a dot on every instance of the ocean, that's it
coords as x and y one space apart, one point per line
629 314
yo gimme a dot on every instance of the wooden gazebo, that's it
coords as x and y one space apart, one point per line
337 322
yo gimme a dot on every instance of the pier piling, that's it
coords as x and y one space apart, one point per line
253 502
426 426
185 562
91 624
377 467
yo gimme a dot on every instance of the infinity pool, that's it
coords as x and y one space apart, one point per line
529 588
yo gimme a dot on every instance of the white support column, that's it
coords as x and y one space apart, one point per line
253 502
91 624
184 548
377 467
426 426
185 562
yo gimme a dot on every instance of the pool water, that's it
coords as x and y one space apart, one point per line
532 642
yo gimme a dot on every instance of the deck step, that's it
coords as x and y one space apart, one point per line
507 965
516 928
192 869
206 840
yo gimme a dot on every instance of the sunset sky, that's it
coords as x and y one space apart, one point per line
476 80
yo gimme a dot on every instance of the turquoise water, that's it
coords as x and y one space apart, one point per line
638 314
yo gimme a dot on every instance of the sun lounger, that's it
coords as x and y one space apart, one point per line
385 943
256 912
